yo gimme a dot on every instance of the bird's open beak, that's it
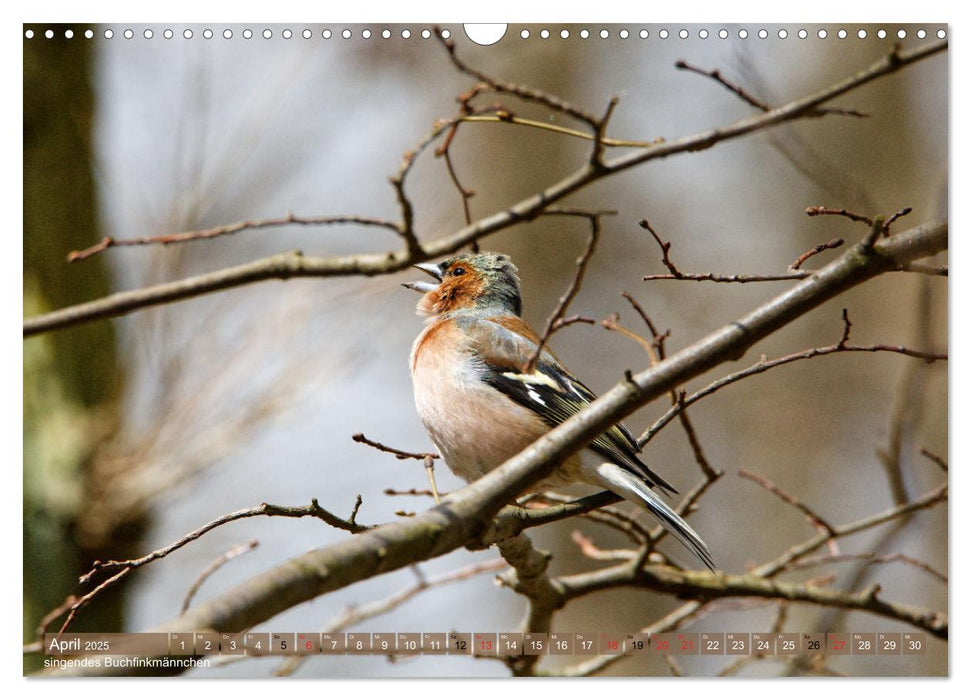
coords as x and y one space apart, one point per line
424 286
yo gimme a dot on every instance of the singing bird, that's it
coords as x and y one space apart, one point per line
481 405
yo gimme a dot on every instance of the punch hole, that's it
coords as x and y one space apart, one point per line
882 34
385 33
405 33
68 33
326 34
624 33
722 33
247 33
683 34
267 33
921 34
802 34
207 34
109 33
902 34
227 33
841 33
663 33
941 34
346 34
821 34
643 34
485 34
861 34
564 33
306 33
544 34
524 34
743 33
29 34
129 33
783 34
287 34
604 33
703 34
366 33
49 34
426 34
89 34
148 34
584 33
763 34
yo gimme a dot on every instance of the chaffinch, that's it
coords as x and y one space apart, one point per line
479 406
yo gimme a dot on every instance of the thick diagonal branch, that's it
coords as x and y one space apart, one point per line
467 513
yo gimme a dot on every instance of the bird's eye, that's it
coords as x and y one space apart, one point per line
457 272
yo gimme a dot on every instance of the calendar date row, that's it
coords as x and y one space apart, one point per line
491 643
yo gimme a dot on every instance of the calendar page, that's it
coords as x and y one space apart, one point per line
431 350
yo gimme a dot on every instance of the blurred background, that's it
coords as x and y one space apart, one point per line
140 429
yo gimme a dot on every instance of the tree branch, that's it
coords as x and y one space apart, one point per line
294 264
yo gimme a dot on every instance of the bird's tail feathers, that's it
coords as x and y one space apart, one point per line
631 487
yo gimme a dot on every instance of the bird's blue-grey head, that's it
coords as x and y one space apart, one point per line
480 280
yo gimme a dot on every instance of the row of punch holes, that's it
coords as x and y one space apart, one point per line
490 34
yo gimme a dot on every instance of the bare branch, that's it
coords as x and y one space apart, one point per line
665 249
400 454
869 558
528 94
229 229
709 586
934 458
264 509
928 500
552 323
505 117
755 102
764 365
815 250
290 265
814 518
215 566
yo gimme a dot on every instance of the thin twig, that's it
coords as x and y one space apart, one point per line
733 278
665 249
572 290
412 492
213 567
505 117
827 211
755 102
264 509
894 217
934 458
815 250
869 558
814 518
400 454
764 365
520 91
49 618
430 472
797 552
